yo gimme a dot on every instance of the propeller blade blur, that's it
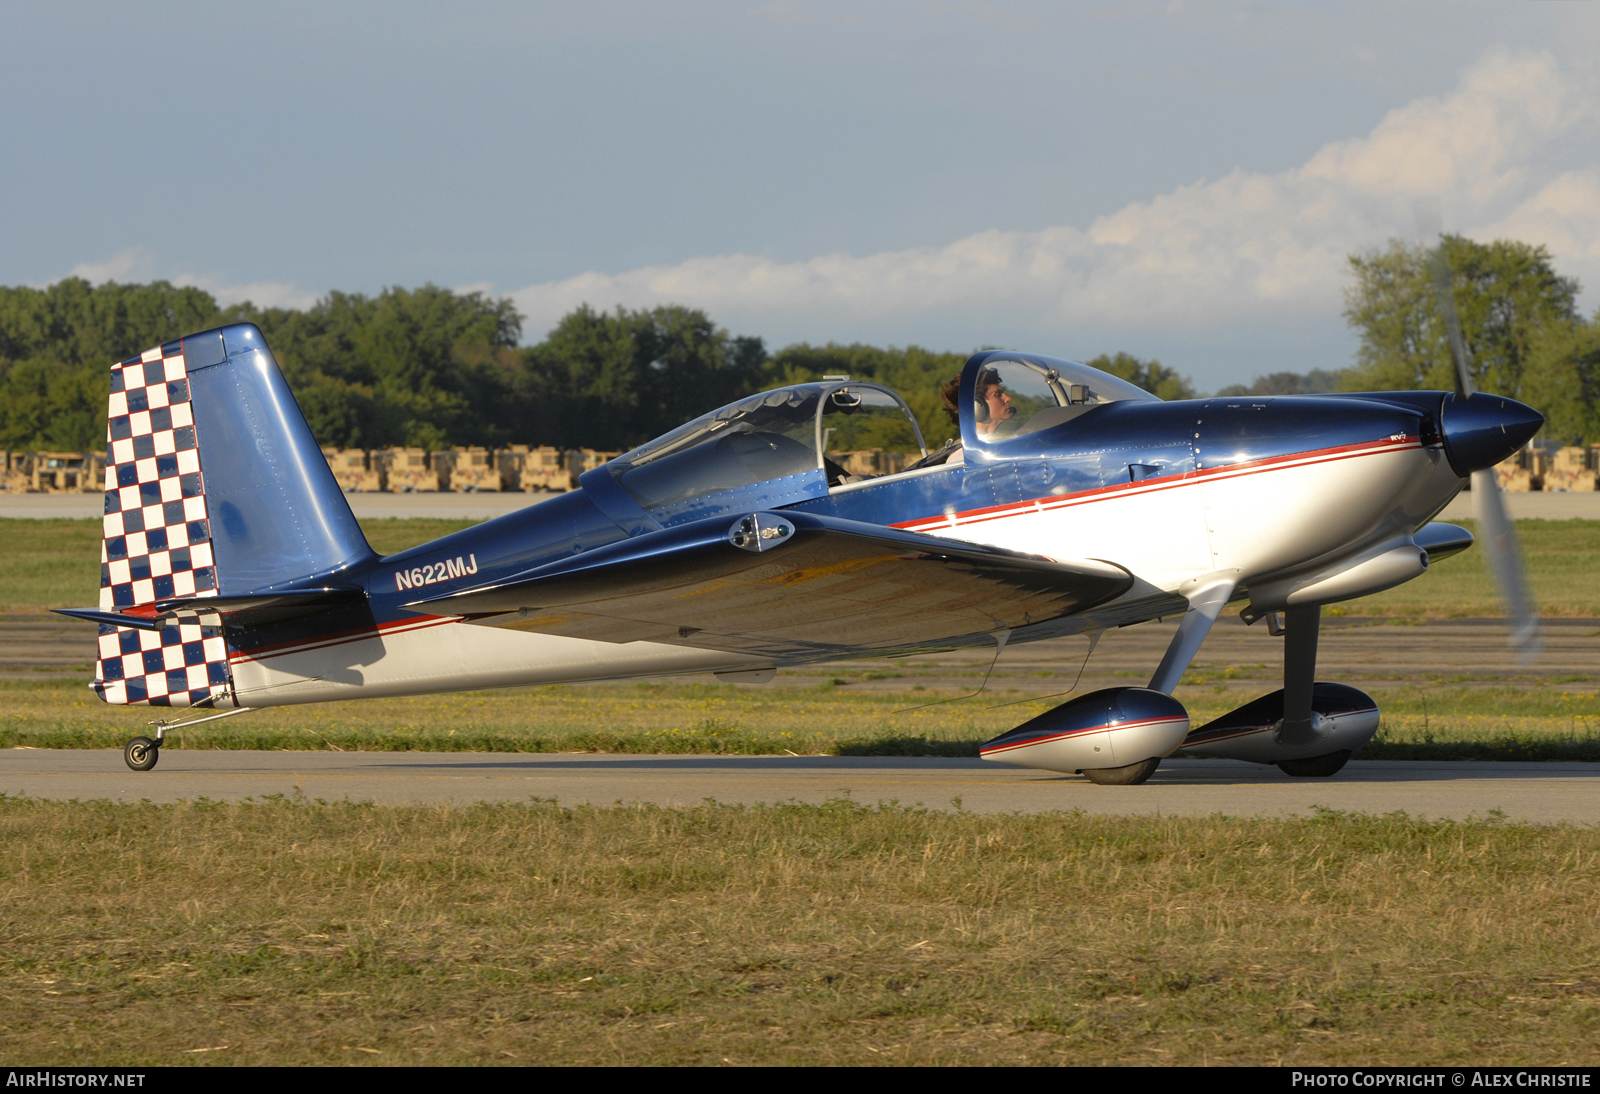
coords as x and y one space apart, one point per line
1444 291
1499 541
1498 536
1430 226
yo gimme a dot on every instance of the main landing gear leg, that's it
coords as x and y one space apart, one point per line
1205 604
1301 626
1299 671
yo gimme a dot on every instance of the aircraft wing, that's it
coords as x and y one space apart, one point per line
780 584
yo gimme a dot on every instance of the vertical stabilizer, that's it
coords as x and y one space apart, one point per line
279 519
214 487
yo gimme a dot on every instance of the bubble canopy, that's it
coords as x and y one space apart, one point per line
772 447
1007 395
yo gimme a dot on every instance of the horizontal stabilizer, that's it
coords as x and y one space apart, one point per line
244 611
780 583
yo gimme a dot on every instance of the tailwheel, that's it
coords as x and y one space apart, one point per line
1131 775
1318 767
142 753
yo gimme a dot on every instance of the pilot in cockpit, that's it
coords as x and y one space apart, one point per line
991 404
991 407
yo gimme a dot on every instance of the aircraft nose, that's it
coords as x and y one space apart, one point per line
1481 430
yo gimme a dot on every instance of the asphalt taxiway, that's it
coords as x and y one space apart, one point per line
1536 792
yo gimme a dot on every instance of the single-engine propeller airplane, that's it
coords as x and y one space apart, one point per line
234 576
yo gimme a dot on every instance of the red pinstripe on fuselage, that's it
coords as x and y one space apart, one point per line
1166 482
937 523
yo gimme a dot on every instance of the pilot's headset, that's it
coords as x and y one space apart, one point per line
980 406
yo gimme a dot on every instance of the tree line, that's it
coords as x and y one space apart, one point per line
430 367
1519 319
1524 335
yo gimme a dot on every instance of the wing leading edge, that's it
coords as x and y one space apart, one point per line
786 585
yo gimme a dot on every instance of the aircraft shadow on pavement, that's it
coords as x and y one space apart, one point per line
1172 773
719 763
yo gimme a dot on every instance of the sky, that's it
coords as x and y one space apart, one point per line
1183 181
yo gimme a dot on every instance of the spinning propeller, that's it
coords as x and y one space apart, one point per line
1498 537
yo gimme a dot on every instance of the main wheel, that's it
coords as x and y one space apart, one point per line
141 753
1132 775
1318 767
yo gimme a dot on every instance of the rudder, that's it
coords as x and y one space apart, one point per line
214 487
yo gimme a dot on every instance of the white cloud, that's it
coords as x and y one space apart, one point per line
784 13
140 262
263 294
1471 145
115 268
1564 216
1245 247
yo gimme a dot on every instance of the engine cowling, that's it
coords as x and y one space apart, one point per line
1111 728
1343 719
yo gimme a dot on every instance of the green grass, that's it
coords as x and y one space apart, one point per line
1528 722
43 560
48 564
391 535
643 718
1563 562
305 933
55 564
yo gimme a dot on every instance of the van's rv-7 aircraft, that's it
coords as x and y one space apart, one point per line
234 576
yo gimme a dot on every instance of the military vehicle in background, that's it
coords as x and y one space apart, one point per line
353 470
517 467
871 462
580 460
1575 469
466 470
523 468
16 473
52 472
68 472
1519 472
405 470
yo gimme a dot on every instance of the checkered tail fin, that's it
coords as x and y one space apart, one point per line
215 490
